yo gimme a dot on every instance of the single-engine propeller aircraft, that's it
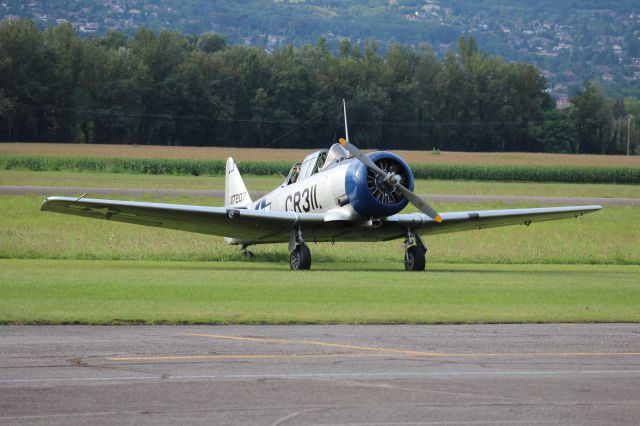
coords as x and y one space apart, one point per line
336 194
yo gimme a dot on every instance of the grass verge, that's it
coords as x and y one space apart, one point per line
607 237
269 182
119 292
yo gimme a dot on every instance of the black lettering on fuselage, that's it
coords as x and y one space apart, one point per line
305 197
296 201
302 201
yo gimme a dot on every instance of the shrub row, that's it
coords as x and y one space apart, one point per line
153 166
571 174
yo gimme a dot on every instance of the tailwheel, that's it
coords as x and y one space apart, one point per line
300 258
415 259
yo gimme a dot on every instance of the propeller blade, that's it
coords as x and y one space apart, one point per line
420 204
362 157
414 199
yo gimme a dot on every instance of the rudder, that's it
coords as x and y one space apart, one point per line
235 191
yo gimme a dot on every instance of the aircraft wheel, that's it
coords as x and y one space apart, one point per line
248 255
414 259
300 258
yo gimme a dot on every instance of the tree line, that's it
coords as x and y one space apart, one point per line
167 88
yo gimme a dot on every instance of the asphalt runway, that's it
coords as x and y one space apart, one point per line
321 375
203 193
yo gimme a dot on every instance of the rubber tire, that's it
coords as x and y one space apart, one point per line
300 258
415 259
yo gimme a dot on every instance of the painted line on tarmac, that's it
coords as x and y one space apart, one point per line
413 352
314 343
385 354
223 357
320 376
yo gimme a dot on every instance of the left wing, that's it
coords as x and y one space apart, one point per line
480 219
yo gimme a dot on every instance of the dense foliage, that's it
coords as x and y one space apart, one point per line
571 41
164 166
170 89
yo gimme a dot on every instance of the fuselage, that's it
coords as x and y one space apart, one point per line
346 190
316 194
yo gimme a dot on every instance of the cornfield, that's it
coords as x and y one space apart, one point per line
167 166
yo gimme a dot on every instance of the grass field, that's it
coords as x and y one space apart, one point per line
108 292
607 237
244 154
267 183
62 269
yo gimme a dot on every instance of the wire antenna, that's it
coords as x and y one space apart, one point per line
346 128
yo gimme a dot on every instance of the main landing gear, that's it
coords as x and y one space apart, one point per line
300 255
300 258
246 253
414 252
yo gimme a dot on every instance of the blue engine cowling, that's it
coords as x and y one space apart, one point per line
367 194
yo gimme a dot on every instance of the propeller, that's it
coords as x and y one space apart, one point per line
392 180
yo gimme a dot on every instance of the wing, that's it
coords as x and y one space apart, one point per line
257 226
480 219
396 226
244 225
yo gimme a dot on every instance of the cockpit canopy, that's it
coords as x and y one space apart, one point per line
321 160
337 153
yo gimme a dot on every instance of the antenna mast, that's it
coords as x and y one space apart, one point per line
346 128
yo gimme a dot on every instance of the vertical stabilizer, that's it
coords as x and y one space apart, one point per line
235 191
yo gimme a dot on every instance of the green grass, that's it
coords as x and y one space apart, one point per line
58 269
269 182
112 292
607 237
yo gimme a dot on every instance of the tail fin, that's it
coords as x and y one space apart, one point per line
235 191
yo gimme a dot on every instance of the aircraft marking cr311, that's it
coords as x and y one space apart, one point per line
336 194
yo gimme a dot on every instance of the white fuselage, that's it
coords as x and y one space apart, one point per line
317 193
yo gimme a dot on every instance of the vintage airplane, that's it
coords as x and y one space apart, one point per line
339 194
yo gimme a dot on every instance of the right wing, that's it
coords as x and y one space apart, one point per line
240 224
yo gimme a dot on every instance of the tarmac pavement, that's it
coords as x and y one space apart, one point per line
321 374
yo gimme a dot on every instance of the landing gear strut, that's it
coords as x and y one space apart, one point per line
414 252
300 255
246 253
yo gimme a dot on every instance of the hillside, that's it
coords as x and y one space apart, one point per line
570 41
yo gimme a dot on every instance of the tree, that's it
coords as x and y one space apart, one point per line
632 106
557 132
66 51
593 120
6 112
211 42
25 78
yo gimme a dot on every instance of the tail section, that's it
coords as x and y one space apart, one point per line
235 191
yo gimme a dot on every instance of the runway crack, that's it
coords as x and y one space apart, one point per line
291 416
